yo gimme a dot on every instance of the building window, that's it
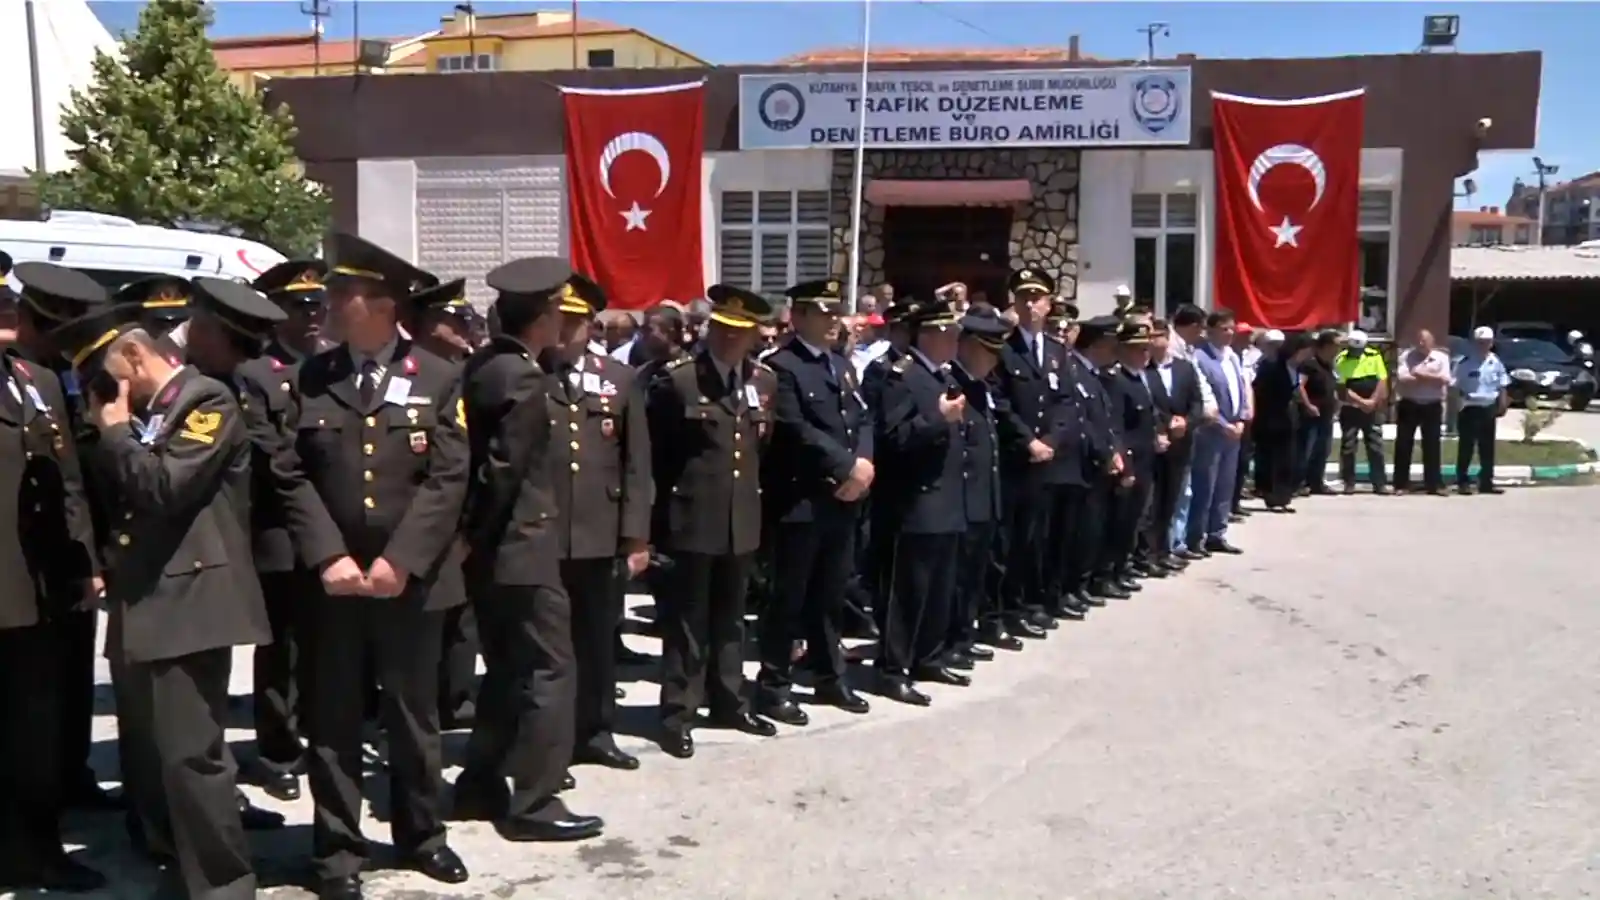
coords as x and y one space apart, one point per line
602 59
770 240
467 62
1164 250
1377 227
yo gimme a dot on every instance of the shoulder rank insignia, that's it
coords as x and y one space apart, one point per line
201 426
409 366
679 362
461 414
901 365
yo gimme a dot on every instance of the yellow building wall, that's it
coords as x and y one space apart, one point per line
554 53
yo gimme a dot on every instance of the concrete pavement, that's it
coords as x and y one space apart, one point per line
1353 709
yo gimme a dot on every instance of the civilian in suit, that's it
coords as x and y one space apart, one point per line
1216 451
1277 405
1175 385
1081 516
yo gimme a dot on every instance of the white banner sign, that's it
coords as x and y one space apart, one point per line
929 110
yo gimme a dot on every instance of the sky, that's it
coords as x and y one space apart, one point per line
750 32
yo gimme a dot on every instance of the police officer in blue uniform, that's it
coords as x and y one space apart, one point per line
1132 405
817 475
1081 511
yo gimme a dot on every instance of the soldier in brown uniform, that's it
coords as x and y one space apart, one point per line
600 468
381 437
710 413
46 562
164 301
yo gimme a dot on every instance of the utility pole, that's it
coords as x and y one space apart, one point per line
1542 170
1151 32
317 10
472 32
38 91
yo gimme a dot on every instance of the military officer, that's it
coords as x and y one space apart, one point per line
381 438
47 560
164 300
1102 464
922 450
75 625
180 585
816 476
1133 406
710 417
526 718
443 319
296 286
599 465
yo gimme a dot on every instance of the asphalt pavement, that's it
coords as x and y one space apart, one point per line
1383 698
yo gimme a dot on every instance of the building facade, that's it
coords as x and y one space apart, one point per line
479 187
1571 208
1488 226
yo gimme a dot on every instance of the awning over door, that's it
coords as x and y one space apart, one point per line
951 192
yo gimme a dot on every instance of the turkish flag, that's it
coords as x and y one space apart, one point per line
633 191
1288 196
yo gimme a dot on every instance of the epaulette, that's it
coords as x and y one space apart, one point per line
900 365
764 367
680 361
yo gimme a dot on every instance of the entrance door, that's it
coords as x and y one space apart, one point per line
927 247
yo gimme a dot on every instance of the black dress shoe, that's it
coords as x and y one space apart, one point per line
1174 563
254 818
1221 546
569 782
610 757
940 675
60 875
1106 590
346 888
1085 600
994 635
442 865
278 785
840 695
1019 626
900 690
1129 585
1070 613
678 743
629 657
955 659
746 723
785 710
1043 619
89 796
1198 553
981 654
1491 490
1156 571
565 827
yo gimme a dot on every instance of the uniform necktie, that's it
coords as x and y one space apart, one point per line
369 380
1038 349
733 382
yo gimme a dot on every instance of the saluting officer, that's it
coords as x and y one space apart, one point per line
164 301
600 468
59 298
180 583
47 562
710 415
381 438
526 720
816 474
923 454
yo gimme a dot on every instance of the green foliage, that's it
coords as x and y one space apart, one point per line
162 136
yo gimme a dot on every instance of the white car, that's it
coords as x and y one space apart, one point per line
116 251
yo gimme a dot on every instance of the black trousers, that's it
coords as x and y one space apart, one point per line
595 588
916 619
402 641
279 669
1247 455
1077 530
1155 530
1410 417
1026 504
458 664
1366 428
73 665
969 600
30 764
702 636
810 568
1475 434
175 709
1128 505
1275 464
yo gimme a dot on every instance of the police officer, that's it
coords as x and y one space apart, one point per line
180 583
381 439
47 562
876 544
816 477
599 465
710 417
1133 406
526 718
921 448
1081 512
983 340
164 301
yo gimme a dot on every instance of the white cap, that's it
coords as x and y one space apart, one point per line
1574 335
1122 291
1273 336
1483 333
1356 338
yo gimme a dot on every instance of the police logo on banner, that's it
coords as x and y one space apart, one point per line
781 107
1156 102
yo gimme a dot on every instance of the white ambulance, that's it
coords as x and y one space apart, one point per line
116 251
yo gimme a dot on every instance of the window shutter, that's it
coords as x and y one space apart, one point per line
812 208
775 208
1182 210
735 262
738 207
1377 209
812 255
774 262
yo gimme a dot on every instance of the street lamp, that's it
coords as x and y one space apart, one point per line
1440 32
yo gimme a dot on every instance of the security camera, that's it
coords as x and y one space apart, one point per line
1484 124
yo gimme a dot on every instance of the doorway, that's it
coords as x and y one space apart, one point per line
927 247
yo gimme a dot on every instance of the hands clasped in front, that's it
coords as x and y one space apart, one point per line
343 578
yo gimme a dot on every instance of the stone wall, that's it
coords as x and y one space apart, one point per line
1044 233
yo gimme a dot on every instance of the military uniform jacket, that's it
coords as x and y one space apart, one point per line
179 576
980 474
874 376
707 444
921 457
599 460
54 522
265 387
511 517
389 476
1036 403
822 425
1139 419
1101 429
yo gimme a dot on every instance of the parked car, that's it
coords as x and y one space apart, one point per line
1545 370
1570 340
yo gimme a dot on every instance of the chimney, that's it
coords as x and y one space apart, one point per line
1072 49
1483 209
1495 210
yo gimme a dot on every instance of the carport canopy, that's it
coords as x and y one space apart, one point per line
949 192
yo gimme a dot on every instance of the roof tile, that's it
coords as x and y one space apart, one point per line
1518 263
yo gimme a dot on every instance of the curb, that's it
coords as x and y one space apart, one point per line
1505 476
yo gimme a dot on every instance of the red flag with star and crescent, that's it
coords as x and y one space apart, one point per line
633 191
1288 197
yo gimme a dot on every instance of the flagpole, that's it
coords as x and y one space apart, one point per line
861 158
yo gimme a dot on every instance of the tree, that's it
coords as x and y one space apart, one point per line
161 136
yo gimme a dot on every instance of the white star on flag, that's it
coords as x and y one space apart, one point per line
635 217
1286 233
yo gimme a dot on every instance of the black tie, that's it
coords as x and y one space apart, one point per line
369 381
733 383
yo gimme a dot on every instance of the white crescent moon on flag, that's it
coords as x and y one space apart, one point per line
1287 155
645 143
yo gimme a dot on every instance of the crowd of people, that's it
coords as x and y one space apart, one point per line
346 467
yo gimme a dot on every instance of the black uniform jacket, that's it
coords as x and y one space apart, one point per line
599 458
1102 425
1137 411
921 457
981 475
707 445
822 426
389 475
52 516
179 575
510 520
265 387
1036 402
1276 406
